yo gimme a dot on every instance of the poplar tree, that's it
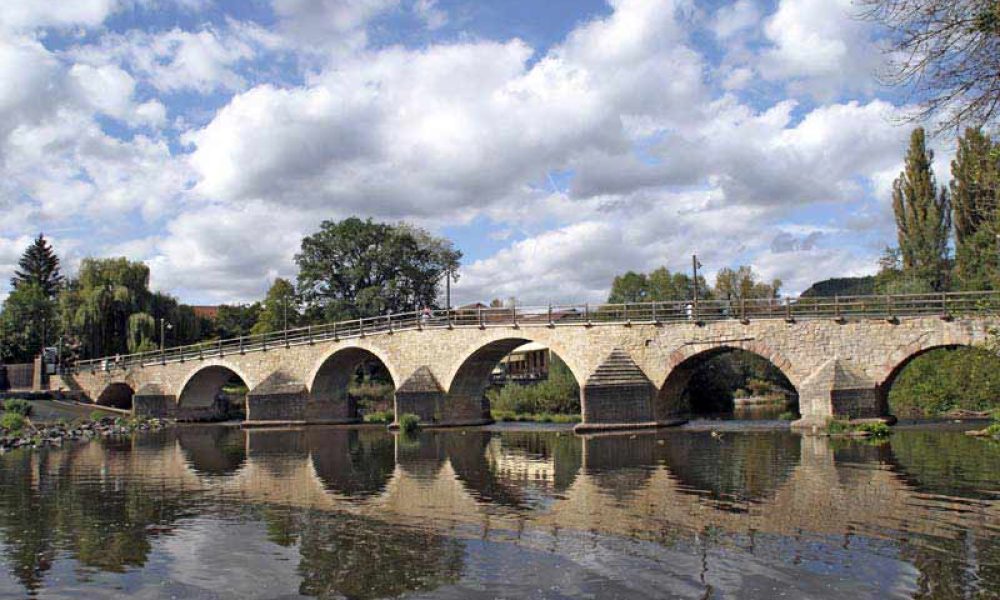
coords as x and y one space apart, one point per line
973 188
923 217
39 265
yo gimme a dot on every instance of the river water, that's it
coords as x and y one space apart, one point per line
221 512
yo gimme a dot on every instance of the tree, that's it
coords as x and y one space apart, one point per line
39 265
27 323
280 309
660 285
354 268
974 188
947 52
235 321
923 217
743 283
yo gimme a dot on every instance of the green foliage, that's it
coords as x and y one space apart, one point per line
923 216
512 417
236 320
12 422
97 415
658 286
838 427
409 422
109 309
993 429
713 384
975 187
28 321
38 266
17 405
280 308
380 416
354 268
946 379
558 394
788 416
879 430
743 283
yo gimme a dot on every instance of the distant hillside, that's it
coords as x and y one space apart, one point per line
842 286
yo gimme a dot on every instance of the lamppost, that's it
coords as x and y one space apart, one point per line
163 327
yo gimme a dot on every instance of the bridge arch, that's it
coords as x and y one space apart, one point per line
331 376
199 396
684 364
469 377
117 394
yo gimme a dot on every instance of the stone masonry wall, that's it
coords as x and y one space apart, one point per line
874 348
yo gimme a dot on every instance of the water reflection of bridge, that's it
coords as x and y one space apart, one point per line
617 484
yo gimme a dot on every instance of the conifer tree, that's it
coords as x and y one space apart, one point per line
39 265
923 217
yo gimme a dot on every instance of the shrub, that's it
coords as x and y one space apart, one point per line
993 429
875 429
838 427
945 379
409 423
17 405
379 416
97 415
559 394
788 416
12 422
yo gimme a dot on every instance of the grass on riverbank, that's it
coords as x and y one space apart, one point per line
507 416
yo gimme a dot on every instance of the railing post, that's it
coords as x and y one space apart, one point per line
220 349
513 313
889 306
285 335
242 350
551 324
263 342
586 313
448 316
656 319
788 310
388 319
309 333
336 337
361 327
625 314
479 314
743 308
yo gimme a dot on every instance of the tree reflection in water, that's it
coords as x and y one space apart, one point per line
369 514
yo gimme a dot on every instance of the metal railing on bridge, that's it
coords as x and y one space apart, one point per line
944 305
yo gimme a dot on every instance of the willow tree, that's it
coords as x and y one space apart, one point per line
141 332
923 218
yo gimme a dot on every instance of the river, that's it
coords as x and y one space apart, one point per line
537 512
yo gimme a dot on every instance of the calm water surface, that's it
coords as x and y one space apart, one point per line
219 512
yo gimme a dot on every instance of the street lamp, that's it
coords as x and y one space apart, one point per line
163 327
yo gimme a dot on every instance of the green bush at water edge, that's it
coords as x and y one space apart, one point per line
17 405
558 394
409 423
947 379
379 416
12 422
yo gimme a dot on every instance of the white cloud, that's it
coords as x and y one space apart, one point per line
29 14
734 18
821 45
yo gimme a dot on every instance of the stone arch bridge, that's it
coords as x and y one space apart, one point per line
633 362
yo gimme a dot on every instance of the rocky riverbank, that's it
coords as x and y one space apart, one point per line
56 434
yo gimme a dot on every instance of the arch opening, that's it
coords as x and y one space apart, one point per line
117 395
513 378
215 393
356 384
729 383
946 379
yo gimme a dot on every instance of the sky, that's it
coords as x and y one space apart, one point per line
558 143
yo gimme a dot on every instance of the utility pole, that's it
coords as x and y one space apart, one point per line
163 327
694 267
447 289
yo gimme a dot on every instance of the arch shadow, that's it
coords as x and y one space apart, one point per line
675 397
353 463
116 395
202 398
465 400
330 399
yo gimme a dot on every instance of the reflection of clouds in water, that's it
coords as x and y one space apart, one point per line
228 559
